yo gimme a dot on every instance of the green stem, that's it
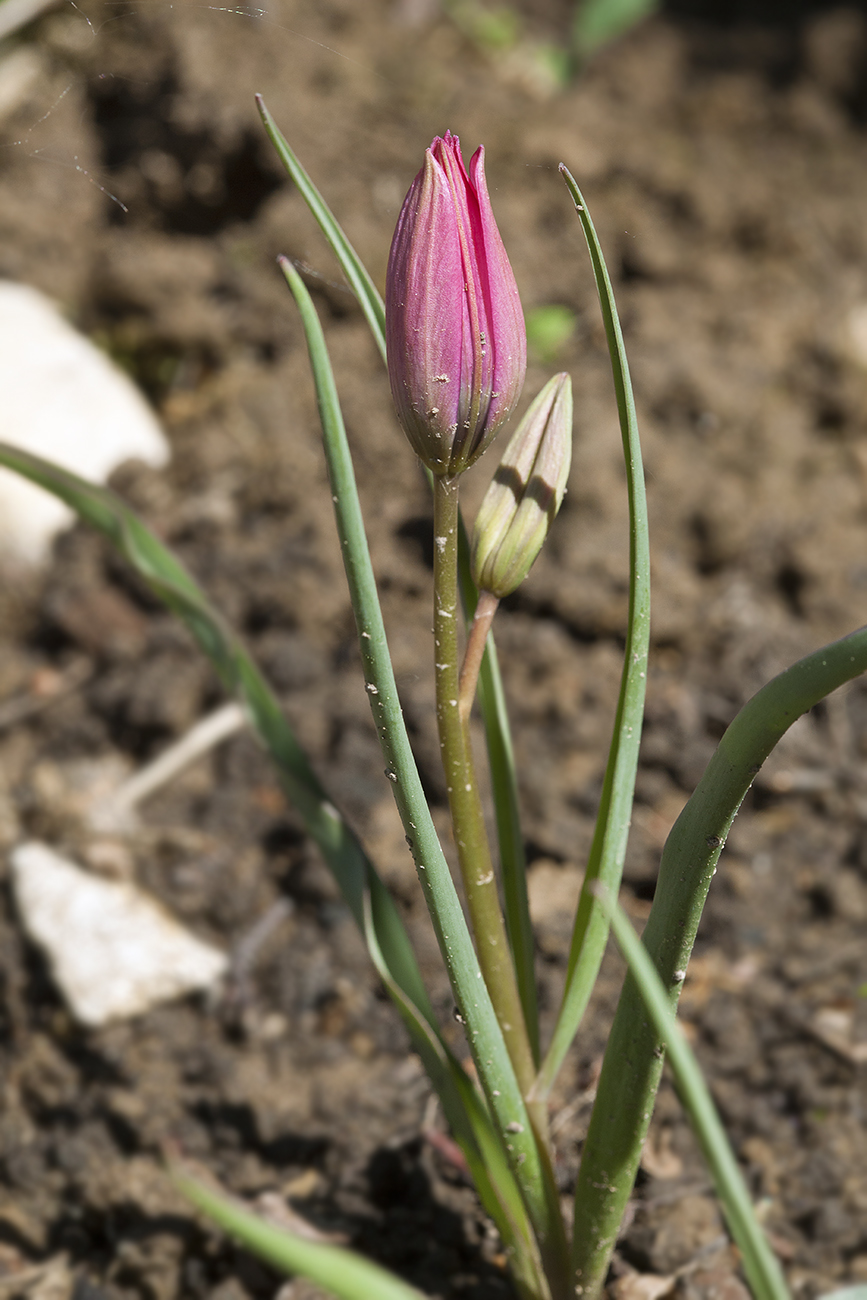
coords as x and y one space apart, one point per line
477 868
465 804
634 1057
504 787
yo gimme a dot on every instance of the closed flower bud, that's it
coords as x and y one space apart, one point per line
457 347
526 492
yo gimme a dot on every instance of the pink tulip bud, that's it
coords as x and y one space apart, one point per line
457 347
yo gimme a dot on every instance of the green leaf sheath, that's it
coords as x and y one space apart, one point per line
608 850
491 697
633 1059
342 1272
760 1263
487 1044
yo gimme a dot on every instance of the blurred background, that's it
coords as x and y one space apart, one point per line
721 149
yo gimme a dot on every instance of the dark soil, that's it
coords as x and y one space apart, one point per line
725 161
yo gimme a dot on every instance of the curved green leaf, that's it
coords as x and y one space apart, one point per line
608 850
369 901
633 1057
760 1263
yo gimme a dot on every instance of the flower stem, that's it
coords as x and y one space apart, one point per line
504 789
475 652
477 869
474 854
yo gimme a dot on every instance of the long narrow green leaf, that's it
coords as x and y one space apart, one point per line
368 899
169 580
345 1274
633 1058
760 1263
486 1039
491 696
513 858
351 264
471 1126
608 850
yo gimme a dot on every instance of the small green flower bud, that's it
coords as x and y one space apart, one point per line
526 492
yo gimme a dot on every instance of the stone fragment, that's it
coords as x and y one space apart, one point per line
64 400
114 951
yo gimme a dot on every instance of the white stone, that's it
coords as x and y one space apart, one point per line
64 400
114 951
20 71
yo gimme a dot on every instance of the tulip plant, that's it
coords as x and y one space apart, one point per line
451 331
